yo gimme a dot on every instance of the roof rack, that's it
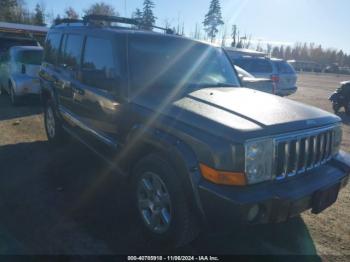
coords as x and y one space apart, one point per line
122 20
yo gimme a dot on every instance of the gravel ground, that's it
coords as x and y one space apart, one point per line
65 201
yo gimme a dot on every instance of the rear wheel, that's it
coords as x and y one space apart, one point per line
336 108
161 205
14 98
53 127
347 108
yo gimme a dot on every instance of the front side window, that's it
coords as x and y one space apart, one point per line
71 51
99 69
168 65
52 47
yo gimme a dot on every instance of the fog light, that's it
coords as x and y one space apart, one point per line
253 213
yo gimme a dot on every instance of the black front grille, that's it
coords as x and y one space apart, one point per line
300 153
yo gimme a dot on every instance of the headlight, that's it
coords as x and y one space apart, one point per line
259 160
337 138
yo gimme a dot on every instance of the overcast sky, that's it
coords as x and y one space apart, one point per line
323 22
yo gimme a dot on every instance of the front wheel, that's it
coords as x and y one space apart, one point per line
53 127
160 201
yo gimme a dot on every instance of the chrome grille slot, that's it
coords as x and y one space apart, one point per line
298 153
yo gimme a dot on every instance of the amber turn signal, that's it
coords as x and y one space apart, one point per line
223 178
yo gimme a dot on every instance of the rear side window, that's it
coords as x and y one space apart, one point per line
284 68
71 51
99 69
254 65
52 47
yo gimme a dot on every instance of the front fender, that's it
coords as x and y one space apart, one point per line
177 152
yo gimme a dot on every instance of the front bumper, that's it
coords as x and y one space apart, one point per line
277 201
27 86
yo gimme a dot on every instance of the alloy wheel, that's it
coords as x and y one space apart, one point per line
154 203
50 122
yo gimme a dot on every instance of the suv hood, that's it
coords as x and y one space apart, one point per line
228 111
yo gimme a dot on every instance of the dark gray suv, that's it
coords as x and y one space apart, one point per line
196 149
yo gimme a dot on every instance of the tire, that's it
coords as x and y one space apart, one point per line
14 99
336 108
347 108
53 127
158 193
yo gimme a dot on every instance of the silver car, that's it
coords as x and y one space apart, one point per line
19 68
252 82
279 71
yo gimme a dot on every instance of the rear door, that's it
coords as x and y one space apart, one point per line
68 67
98 96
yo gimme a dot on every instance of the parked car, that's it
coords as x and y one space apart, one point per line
279 71
168 114
261 84
19 69
341 98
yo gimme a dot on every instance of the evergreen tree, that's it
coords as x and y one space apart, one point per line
70 13
101 8
57 20
39 15
137 14
234 36
8 10
213 19
148 18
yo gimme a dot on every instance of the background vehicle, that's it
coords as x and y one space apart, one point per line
260 84
196 149
305 66
19 68
341 98
279 71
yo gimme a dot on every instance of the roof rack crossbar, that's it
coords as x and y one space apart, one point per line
69 21
122 20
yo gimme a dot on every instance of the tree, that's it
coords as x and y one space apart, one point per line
213 19
70 13
148 18
57 20
101 8
234 36
137 15
8 10
39 15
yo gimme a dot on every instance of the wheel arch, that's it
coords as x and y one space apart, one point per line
183 159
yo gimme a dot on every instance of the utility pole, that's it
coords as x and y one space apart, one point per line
125 9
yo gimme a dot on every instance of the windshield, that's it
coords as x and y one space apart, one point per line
32 57
165 64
